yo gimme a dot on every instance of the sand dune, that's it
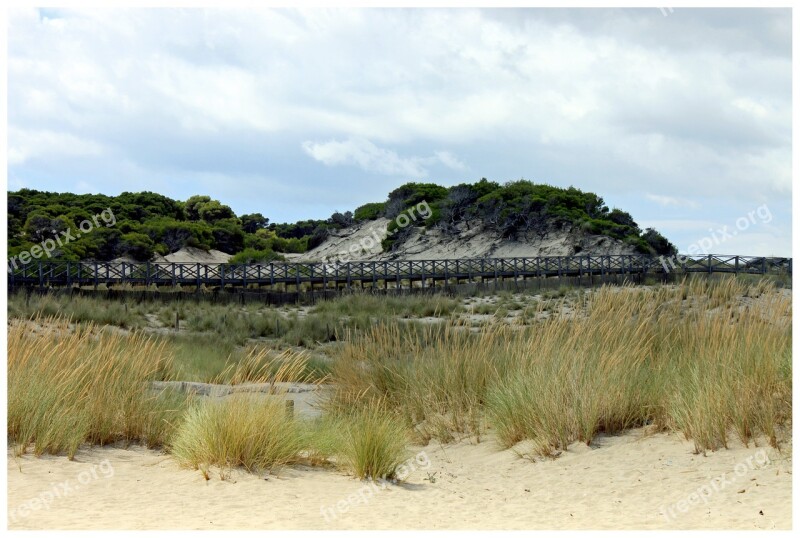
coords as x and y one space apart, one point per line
362 242
629 481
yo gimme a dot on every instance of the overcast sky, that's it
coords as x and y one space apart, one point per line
683 118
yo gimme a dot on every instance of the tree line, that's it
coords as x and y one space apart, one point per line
149 224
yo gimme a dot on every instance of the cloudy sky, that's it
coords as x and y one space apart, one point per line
683 118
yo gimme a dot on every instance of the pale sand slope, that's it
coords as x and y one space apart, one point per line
622 483
196 255
362 242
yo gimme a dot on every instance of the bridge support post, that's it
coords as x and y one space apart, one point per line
589 265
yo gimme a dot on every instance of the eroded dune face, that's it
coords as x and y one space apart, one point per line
196 255
362 242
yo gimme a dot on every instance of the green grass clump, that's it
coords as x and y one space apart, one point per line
68 387
242 430
369 440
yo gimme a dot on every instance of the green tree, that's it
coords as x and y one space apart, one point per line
214 211
193 205
136 245
253 222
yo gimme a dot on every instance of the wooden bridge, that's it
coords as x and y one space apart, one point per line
376 274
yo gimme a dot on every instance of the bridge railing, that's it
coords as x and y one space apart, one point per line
60 273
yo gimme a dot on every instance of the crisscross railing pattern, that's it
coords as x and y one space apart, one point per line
63 273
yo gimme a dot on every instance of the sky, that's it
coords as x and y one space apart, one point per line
682 117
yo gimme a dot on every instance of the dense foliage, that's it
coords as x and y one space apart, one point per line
141 225
518 210
145 223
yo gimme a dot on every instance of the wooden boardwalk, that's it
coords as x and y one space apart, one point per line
377 274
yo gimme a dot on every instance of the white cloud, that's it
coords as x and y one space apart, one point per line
24 144
355 151
450 161
366 155
672 201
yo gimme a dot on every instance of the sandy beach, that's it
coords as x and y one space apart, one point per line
631 481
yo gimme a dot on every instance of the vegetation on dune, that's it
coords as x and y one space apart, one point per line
211 337
707 358
75 386
636 357
240 431
70 386
146 224
371 440
247 430
518 210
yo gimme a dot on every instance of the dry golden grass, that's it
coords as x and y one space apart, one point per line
81 385
243 430
710 360
695 358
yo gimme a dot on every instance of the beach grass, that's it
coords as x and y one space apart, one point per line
82 385
708 359
691 358
242 430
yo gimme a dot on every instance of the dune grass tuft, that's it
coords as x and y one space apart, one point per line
369 440
242 430
72 386
695 358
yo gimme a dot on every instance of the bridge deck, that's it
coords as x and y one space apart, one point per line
398 272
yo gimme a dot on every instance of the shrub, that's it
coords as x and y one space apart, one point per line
251 255
369 211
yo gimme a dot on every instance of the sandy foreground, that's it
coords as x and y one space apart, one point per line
628 481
